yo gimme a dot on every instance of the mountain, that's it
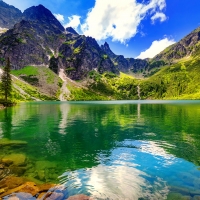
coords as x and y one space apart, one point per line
9 15
32 40
188 46
29 43
71 30
80 54
179 78
45 18
47 60
40 40
125 64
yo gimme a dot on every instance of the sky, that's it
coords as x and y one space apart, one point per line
133 28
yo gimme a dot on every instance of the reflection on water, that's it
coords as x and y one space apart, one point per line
109 150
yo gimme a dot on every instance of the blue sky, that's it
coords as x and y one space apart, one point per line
129 26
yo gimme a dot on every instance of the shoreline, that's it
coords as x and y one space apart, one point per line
16 188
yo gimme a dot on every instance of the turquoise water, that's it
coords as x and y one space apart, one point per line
109 150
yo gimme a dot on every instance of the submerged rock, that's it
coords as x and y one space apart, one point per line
54 196
28 187
4 172
196 197
20 188
79 197
20 196
7 142
177 196
18 171
41 165
15 159
11 182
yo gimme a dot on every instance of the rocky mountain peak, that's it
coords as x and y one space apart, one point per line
187 46
43 15
107 49
71 30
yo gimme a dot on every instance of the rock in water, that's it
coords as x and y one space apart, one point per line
79 197
15 159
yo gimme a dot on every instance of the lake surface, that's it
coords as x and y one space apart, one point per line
109 150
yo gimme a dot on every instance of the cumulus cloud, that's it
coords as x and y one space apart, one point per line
156 47
74 22
118 19
59 17
158 15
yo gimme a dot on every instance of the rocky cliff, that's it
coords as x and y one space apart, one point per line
124 64
9 15
80 54
40 40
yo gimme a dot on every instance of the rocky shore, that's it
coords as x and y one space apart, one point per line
16 188
22 178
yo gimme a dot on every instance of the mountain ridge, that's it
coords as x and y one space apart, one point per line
39 39
38 42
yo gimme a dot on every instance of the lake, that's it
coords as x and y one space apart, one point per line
107 150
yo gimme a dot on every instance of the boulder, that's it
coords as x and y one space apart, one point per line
7 142
79 197
28 187
54 196
15 159
11 182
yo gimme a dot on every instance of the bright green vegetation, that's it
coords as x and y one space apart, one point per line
70 42
28 71
82 94
32 92
77 50
40 83
107 86
105 56
177 81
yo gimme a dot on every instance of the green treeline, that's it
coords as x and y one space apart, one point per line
178 81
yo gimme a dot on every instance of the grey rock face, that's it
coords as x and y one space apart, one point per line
44 17
39 39
9 15
80 54
28 43
107 49
124 64
71 30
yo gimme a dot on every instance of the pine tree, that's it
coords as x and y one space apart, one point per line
6 82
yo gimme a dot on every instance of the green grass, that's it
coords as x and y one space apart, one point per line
28 70
113 86
42 83
77 50
179 81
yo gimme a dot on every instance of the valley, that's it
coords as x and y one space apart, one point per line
52 63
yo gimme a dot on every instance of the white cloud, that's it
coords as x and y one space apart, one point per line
158 15
59 17
118 19
156 47
74 22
